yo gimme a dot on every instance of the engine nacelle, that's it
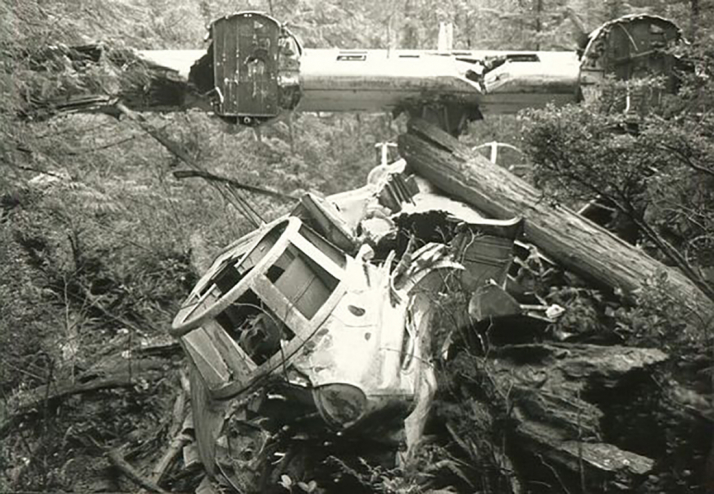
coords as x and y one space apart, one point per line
252 69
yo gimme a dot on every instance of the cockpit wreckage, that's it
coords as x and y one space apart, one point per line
330 312
326 326
328 323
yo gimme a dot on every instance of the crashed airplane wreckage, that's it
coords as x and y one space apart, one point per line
317 310
255 70
329 323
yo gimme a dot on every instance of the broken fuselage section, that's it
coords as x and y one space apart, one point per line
255 70
330 313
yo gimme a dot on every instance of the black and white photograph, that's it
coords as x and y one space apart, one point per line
329 246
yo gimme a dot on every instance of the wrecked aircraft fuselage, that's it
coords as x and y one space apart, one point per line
338 334
286 300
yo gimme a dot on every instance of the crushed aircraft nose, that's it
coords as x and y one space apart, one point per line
312 318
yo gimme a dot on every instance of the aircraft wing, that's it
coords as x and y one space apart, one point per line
254 70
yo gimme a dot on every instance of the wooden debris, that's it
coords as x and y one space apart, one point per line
126 375
116 458
177 441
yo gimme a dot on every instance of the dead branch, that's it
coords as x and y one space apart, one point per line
116 459
178 439
78 152
51 392
179 174
688 161
234 198
94 302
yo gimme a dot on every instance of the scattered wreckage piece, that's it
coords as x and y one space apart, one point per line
94 77
577 243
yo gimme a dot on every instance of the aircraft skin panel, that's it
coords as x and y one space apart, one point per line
375 80
529 77
510 103
376 96
382 80
378 80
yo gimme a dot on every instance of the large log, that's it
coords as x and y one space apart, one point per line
547 396
576 242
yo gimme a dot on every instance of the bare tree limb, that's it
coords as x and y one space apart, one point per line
116 458
239 202
53 391
179 174
688 161
178 440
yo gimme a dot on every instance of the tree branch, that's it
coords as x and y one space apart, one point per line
116 458
687 161
179 174
42 394
668 250
240 203
665 247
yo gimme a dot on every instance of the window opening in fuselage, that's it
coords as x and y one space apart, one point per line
235 268
305 283
247 320
254 327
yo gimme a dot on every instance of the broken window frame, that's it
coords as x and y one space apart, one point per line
223 364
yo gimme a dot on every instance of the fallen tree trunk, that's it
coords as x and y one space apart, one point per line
122 376
575 242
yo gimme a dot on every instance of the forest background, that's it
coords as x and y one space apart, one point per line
97 236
